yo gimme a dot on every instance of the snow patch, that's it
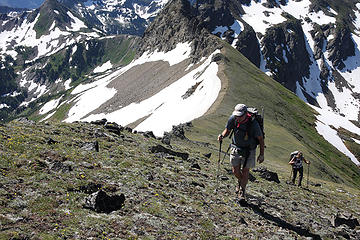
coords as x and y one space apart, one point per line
237 27
106 66
260 17
48 116
177 55
76 25
67 84
49 106
3 105
168 107
358 6
143 11
356 140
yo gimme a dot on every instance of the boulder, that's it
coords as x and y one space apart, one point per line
91 146
101 122
162 149
114 128
102 203
268 175
347 219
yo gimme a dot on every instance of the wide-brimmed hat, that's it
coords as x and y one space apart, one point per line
239 110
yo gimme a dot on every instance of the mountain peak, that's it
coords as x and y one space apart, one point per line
53 12
178 23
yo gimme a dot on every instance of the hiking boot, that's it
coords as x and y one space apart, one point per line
242 196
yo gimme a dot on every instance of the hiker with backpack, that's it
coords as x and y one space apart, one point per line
296 161
247 134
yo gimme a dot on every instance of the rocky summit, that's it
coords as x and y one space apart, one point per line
92 181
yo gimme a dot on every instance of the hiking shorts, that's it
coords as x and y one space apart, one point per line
236 159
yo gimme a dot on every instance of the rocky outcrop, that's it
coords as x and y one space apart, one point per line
180 21
248 45
177 24
285 50
102 203
319 34
341 47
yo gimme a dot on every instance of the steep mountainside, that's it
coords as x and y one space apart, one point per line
181 73
5 9
49 49
291 51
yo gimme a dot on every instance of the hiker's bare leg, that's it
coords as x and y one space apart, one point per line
236 172
244 177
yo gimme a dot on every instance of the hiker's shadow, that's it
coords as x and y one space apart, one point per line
305 189
314 192
255 204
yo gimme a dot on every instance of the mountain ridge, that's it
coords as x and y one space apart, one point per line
163 38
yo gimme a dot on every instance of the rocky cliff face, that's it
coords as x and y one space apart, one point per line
284 49
178 22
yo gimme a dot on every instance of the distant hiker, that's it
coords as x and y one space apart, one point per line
296 162
247 134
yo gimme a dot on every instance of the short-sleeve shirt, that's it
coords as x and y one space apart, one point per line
240 132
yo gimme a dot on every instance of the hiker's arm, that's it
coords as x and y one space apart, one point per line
292 161
307 161
262 147
224 134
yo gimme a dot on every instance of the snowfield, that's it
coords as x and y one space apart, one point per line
327 118
168 107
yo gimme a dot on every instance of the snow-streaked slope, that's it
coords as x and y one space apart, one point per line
122 16
169 107
237 27
255 16
347 105
166 108
25 35
327 118
261 17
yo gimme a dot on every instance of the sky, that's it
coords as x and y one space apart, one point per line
21 3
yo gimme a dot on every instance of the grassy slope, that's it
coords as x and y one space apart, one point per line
289 122
42 191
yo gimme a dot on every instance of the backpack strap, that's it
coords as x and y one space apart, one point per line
248 121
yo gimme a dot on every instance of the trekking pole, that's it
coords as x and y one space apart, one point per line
291 173
307 183
218 168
